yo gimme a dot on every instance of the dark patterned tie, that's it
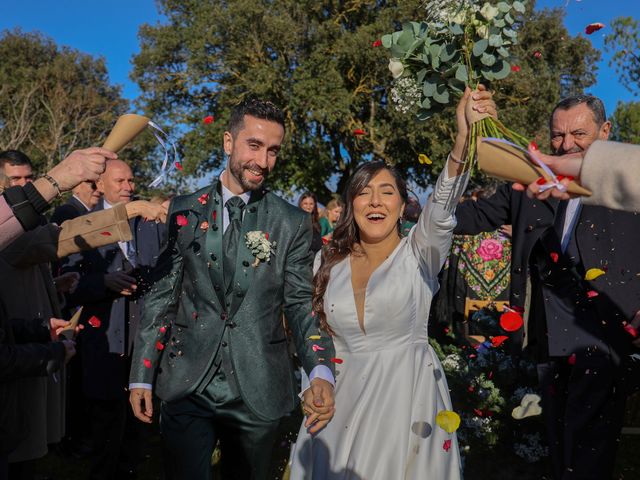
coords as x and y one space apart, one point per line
230 238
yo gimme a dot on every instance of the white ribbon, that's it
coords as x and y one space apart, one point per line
554 183
157 132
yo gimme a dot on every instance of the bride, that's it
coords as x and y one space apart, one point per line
372 292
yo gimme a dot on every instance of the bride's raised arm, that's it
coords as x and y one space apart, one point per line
431 237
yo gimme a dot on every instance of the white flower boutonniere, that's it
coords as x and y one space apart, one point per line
260 246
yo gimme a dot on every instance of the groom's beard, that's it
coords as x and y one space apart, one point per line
240 171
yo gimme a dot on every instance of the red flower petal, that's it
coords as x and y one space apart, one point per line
478 412
215 215
94 322
533 145
178 166
359 131
203 198
554 257
204 225
515 68
159 346
147 363
105 234
163 329
194 315
266 235
592 294
208 119
446 330
572 359
593 27
470 389
511 321
498 340
377 43
446 445
181 220
537 54
337 360
631 330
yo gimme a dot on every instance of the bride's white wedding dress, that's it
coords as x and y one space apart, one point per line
390 385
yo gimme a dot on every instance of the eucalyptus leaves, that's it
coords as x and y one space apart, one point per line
460 43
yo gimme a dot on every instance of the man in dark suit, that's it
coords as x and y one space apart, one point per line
112 279
576 323
84 199
212 342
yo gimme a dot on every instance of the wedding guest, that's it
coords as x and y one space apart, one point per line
111 284
372 291
84 199
576 325
330 216
309 203
25 263
17 167
608 169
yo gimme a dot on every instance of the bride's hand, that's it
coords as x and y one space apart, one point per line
474 106
318 405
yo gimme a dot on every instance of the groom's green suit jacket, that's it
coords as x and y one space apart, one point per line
189 318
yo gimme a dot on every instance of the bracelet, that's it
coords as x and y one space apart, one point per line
52 181
455 160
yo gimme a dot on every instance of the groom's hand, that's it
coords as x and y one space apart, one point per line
318 405
142 404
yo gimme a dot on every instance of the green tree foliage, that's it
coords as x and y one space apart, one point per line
624 43
315 59
52 99
626 123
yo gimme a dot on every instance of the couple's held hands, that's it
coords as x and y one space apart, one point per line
147 210
567 166
141 400
121 283
318 405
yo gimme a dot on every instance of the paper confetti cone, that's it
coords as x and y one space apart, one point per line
126 129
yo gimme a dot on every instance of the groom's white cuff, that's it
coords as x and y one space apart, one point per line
146 386
321 371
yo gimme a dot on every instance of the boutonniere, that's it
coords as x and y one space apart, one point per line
260 246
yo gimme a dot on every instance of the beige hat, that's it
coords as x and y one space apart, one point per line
506 162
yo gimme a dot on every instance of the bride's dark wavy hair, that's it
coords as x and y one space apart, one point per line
346 233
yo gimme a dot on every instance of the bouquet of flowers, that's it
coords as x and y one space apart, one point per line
459 43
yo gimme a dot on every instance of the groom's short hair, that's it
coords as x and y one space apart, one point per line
254 107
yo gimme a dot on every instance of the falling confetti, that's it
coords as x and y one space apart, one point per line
147 363
533 145
359 132
511 321
94 322
105 234
572 359
515 68
181 220
337 360
163 329
631 330
317 348
214 215
498 340
592 294
208 119
593 27
203 198
315 337
178 166
159 345
554 257
593 273
424 159
448 421
446 445
204 225
537 55
377 43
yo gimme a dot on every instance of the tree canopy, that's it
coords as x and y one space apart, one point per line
624 43
626 123
52 99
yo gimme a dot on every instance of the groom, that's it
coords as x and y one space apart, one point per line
212 343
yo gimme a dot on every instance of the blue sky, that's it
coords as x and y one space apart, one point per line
110 29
